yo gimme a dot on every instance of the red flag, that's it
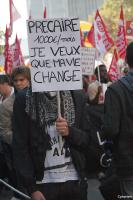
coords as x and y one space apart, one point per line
6 40
121 42
45 13
90 36
81 39
103 41
6 47
114 72
8 61
14 15
17 57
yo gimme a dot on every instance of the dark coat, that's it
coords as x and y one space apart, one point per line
28 158
118 123
95 114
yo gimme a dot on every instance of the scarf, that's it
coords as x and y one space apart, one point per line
42 107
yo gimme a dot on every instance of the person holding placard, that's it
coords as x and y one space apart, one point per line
101 74
50 132
50 169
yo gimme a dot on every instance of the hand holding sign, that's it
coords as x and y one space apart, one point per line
54 47
62 126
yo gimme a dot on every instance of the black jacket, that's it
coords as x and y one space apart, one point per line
118 123
94 152
28 159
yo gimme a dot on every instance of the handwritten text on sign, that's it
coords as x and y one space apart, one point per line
54 46
88 60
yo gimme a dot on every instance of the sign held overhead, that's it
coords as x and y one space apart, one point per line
54 46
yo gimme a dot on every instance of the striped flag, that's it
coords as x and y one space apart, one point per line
103 41
114 72
7 53
90 36
121 42
17 57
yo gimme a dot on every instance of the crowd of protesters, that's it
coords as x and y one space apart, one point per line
50 157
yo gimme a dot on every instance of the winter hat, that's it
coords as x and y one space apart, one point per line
93 90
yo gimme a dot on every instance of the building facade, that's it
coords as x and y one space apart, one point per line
63 8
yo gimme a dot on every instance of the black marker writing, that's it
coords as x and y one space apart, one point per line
59 76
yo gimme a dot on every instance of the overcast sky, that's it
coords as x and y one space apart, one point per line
19 26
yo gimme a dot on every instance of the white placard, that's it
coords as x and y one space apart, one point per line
88 60
54 47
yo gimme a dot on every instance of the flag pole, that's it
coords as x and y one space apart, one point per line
58 102
98 70
14 189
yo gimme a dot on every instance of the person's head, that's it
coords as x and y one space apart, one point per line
93 92
103 73
129 55
5 87
21 77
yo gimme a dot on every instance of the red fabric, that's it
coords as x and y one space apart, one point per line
13 56
103 41
81 39
17 57
45 13
113 72
6 40
8 60
121 42
90 36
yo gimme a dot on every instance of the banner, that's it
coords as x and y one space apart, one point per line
103 41
54 47
121 42
90 36
13 56
88 60
17 57
8 62
114 72
7 53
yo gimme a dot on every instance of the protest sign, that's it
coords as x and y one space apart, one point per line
87 60
54 47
